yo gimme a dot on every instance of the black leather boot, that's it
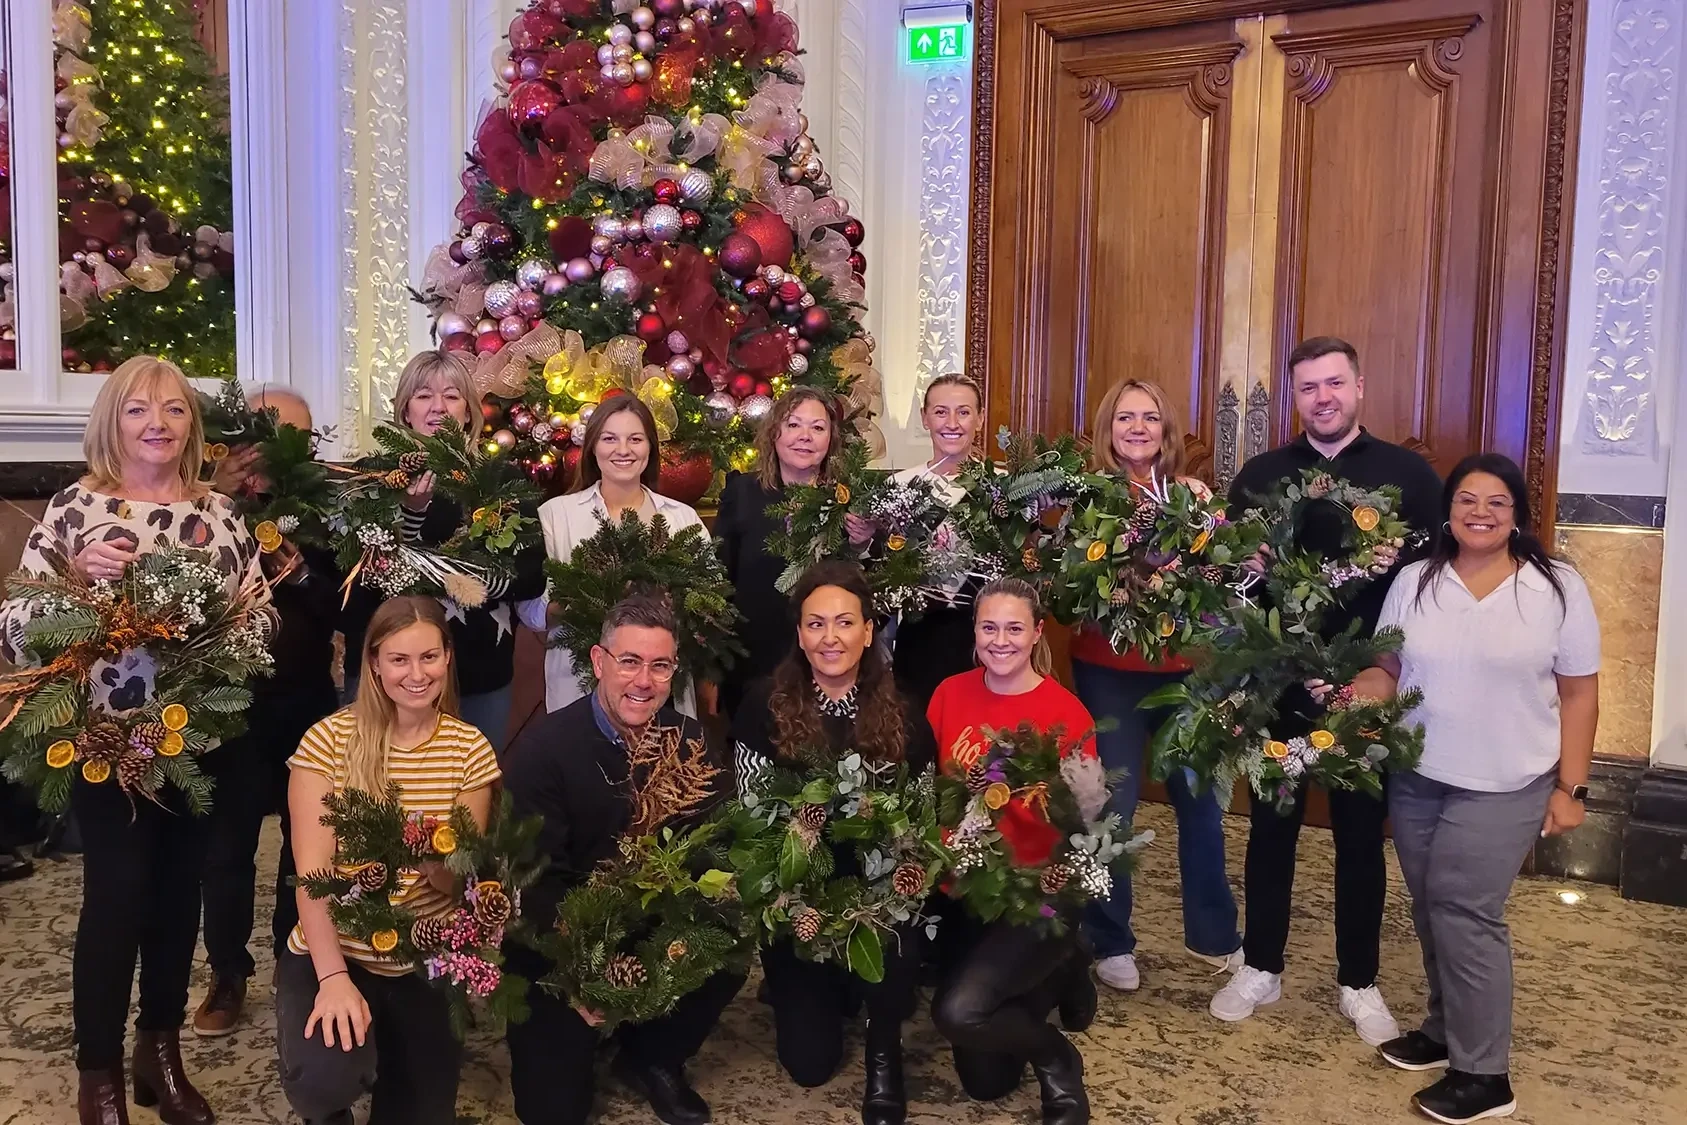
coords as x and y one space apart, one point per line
671 1097
885 1101
1061 1076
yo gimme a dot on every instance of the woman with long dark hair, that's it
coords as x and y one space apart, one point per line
834 695
1502 640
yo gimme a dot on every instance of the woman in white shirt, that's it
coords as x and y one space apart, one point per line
1502 640
618 474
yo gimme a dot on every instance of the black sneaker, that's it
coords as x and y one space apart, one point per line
1414 1051
1459 1098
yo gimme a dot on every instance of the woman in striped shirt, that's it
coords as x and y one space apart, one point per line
348 1021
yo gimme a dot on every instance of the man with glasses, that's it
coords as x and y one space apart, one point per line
572 767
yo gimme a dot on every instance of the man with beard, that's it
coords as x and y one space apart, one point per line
1327 386
574 768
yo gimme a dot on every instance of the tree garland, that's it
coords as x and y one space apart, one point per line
379 850
496 502
296 498
1025 768
131 680
784 832
629 556
1017 515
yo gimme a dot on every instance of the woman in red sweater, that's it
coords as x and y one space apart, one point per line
1137 435
1000 981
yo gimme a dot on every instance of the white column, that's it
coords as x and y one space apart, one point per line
257 36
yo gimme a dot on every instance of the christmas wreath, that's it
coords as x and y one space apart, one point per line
632 556
1152 566
297 496
1025 769
379 849
1017 514
496 502
130 681
785 832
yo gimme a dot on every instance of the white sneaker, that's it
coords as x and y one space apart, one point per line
1119 972
1225 964
1365 1007
1247 990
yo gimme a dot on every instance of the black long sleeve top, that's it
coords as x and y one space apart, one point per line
769 629
301 691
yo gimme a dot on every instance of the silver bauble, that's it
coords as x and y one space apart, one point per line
620 34
642 70
472 247
662 223
602 246
697 186
542 432
610 227
530 275
634 229
623 74
755 408
773 274
606 55
719 408
577 433
453 324
607 71
587 411
621 284
484 325
507 71
501 297
791 173
504 440
823 182
643 18
479 229
645 43
797 364
512 328
624 53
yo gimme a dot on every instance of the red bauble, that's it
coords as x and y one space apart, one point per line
540 472
8 353
571 239
530 30
70 356
741 255
119 256
775 237
764 9
816 322
858 262
741 385
458 342
665 191
533 101
757 289
488 342
456 252
490 411
854 233
790 292
499 241
613 392
571 462
765 389
691 220
685 477
651 328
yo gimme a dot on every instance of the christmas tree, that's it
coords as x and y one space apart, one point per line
644 213
145 200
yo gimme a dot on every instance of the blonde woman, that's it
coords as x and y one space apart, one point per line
347 1022
141 862
1138 436
436 389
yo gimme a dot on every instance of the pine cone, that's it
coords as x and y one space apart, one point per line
676 950
806 925
413 461
624 971
148 736
1054 879
812 817
978 778
1029 560
1000 509
397 478
427 933
372 877
1213 574
101 740
1145 516
1321 485
909 880
493 908
134 772
1121 595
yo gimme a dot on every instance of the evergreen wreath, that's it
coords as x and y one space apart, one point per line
497 503
1153 567
633 557
786 829
1017 515
299 497
377 843
130 681
1027 768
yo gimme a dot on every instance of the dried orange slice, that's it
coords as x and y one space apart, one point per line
1276 751
488 886
216 451
896 542
1097 551
842 493
1165 624
174 717
444 839
61 753
997 795
96 771
172 745
383 941
1321 739
1366 519
1201 542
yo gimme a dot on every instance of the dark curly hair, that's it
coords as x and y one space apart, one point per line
880 732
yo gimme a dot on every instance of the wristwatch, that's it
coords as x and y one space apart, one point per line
1576 792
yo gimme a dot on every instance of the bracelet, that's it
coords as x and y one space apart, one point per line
331 976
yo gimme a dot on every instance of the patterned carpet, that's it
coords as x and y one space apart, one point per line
1601 1027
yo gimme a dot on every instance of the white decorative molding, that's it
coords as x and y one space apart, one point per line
1619 410
847 159
374 213
946 128
257 36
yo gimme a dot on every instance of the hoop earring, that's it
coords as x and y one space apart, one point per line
1447 526
1514 532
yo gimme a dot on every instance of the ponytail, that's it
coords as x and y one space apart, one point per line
1042 657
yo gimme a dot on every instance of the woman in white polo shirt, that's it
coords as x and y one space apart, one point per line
1503 642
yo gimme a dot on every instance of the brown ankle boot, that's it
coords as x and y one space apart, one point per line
160 1081
99 1097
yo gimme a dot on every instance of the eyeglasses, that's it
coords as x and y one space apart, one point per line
660 670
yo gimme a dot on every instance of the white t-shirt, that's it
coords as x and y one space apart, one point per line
1487 668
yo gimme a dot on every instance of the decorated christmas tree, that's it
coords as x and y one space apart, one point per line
644 213
145 201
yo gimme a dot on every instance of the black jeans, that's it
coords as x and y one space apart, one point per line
140 897
999 984
409 1059
810 999
551 1052
1356 821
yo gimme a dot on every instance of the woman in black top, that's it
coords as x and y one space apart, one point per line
436 387
796 445
834 693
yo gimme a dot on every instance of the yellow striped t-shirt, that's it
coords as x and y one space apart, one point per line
433 776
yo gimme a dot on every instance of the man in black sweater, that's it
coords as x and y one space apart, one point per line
1327 387
571 767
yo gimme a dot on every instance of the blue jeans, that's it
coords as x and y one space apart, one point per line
1209 907
489 711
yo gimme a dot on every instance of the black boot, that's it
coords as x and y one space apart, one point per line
671 1097
885 1101
1078 999
1062 1079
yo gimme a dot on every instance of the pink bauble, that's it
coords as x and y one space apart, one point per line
681 367
579 270
529 305
740 255
512 328
554 284
816 322
678 343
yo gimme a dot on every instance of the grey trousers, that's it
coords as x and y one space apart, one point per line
1460 851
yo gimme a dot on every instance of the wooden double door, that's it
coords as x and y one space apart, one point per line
1181 190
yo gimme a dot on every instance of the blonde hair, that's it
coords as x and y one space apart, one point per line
1169 464
1042 658
373 710
952 379
141 376
454 367
767 450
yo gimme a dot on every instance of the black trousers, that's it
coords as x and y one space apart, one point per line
140 898
1356 821
810 999
409 1059
551 1053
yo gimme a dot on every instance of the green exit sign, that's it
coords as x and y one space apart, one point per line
939 43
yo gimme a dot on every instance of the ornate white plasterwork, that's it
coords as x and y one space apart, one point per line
847 160
946 125
1619 411
374 220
